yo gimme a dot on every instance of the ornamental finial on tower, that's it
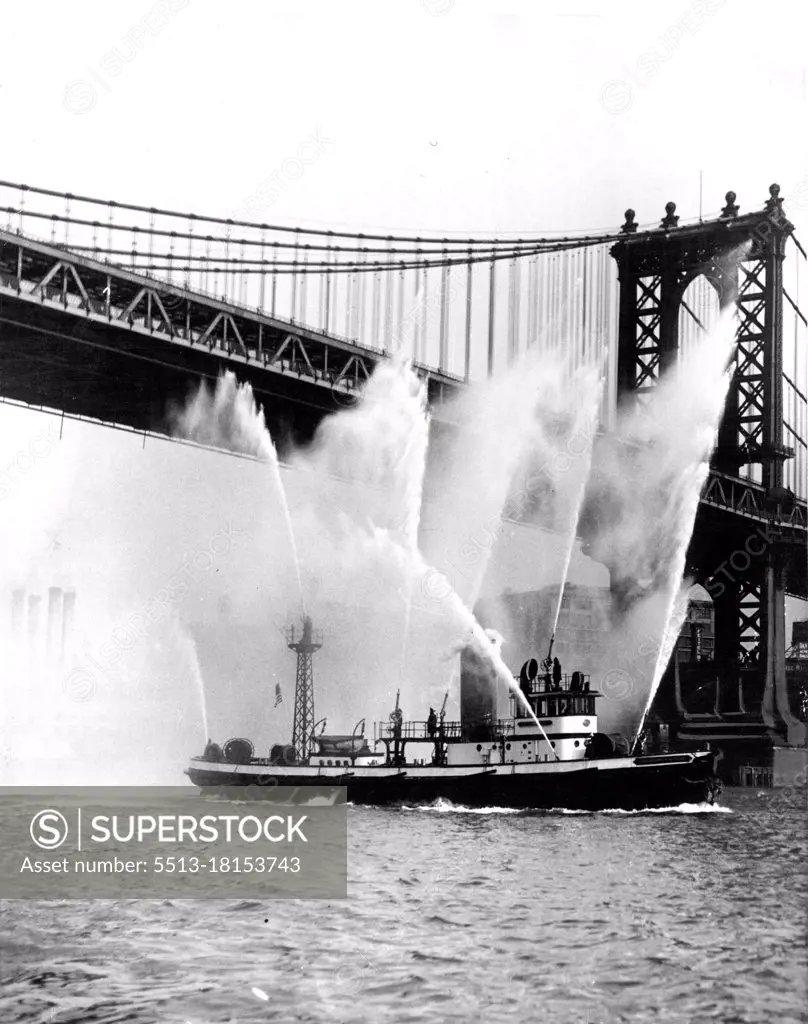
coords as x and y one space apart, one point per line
731 209
630 226
774 205
670 220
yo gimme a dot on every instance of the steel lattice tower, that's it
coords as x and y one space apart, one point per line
304 646
655 270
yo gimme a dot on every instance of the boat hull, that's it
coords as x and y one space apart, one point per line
625 783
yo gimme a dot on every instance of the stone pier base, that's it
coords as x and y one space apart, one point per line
790 766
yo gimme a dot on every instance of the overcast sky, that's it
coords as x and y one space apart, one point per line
430 114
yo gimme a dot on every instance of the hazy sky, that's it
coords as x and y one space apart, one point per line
430 114
416 115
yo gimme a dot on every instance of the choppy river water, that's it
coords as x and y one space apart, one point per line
690 916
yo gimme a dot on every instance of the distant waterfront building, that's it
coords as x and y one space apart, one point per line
583 620
799 641
42 622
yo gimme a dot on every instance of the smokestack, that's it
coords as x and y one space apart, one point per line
478 691
34 601
17 612
54 620
68 611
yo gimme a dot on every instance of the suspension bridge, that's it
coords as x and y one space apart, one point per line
109 310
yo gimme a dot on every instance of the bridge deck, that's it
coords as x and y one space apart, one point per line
168 316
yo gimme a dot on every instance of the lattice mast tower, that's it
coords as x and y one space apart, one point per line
305 644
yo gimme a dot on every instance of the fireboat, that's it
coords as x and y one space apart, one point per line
547 754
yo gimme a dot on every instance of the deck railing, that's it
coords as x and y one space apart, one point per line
450 731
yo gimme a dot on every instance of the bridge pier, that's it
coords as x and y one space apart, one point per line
777 711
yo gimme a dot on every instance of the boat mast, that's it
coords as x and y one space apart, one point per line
305 646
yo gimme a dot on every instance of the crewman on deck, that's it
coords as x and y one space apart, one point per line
556 674
547 666
396 721
431 723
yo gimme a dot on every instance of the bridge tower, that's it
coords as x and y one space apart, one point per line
742 558
305 644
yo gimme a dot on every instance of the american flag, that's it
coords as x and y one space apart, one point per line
278 694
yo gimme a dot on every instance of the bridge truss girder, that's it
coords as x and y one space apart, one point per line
38 274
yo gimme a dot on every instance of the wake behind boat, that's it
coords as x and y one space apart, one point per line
547 754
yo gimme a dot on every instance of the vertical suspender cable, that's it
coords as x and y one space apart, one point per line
293 300
517 307
152 214
304 283
172 242
389 284
424 318
443 358
362 304
417 305
110 225
189 268
467 351
274 293
492 283
584 311
375 309
226 275
327 284
263 282
400 314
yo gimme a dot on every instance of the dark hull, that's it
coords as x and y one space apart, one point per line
626 784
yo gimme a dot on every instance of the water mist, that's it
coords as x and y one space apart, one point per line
513 448
227 417
642 507
387 529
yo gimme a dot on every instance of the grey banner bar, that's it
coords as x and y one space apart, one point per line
173 843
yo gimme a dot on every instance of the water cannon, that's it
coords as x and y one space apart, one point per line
547 664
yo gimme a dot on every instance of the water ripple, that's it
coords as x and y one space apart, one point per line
685 917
